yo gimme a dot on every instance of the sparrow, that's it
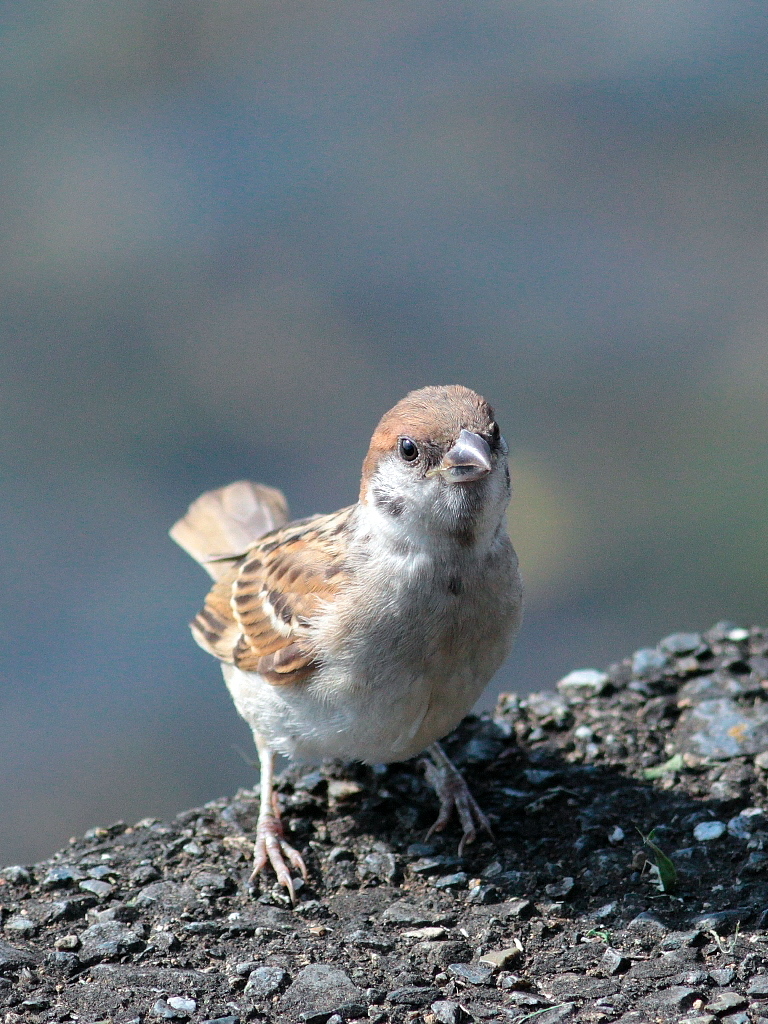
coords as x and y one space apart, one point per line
366 634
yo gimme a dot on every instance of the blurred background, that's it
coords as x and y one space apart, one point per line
235 233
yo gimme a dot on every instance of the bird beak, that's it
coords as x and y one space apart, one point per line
469 459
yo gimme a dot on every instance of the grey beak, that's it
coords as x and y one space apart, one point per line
469 459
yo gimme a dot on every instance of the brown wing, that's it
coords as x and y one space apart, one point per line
221 525
258 616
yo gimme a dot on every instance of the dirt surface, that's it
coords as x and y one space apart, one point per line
567 916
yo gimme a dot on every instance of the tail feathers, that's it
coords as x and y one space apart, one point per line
221 525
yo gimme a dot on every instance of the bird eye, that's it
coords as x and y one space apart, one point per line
407 449
494 431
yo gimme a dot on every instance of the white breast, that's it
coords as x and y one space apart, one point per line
404 657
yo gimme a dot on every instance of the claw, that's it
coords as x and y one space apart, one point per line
454 794
272 847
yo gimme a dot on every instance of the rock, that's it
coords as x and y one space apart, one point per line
318 989
726 1001
369 940
182 1004
520 909
676 997
12 956
21 926
101 889
447 1012
585 682
145 874
555 1014
613 962
263 982
758 987
680 643
454 881
472 974
378 865
706 831
16 874
167 1009
403 912
61 876
343 789
413 995
681 940
549 709
107 939
647 922
498 959
213 883
168 895
428 934
648 661
740 827
722 921
722 976
607 910
721 729
559 890
312 782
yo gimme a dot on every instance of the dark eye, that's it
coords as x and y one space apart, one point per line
494 432
407 449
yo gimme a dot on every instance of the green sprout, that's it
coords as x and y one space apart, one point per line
663 872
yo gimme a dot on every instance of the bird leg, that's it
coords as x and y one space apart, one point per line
270 837
453 793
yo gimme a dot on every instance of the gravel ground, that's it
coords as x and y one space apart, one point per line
628 880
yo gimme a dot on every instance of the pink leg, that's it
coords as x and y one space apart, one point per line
453 793
270 839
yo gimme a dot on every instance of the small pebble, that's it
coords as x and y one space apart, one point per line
15 874
758 987
500 958
61 875
378 865
454 881
182 1003
311 782
726 1001
706 831
681 643
428 934
584 682
474 974
738 635
343 789
722 976
21 926
446 1012
98 888
613 962
740 827
648 661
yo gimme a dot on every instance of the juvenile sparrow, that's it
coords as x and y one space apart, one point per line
366 634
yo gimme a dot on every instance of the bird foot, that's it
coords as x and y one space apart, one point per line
272 847
454 794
